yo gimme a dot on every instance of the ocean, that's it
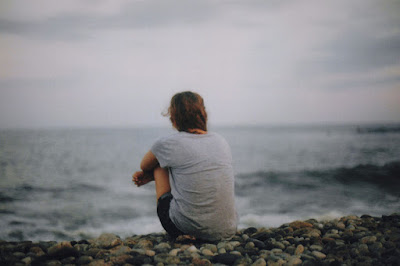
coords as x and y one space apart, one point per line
72 184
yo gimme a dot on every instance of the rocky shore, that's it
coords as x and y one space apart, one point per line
350 240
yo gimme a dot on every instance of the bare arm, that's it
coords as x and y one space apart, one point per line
148 164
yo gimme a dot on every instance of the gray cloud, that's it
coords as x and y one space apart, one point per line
359 51
143 14
266 55
15 84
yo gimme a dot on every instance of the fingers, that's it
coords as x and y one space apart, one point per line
136 178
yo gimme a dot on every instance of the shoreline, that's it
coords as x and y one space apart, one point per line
349 240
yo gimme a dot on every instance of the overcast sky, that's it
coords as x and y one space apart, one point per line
118 62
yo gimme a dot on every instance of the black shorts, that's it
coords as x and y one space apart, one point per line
163 214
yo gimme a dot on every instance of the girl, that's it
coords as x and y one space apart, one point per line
193 175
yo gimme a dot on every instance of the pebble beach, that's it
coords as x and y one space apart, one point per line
350 240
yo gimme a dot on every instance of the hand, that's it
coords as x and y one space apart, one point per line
141 178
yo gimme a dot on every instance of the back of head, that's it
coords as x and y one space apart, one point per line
187 111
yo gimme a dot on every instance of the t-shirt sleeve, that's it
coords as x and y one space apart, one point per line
162 150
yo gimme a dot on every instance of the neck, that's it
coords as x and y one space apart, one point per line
197 131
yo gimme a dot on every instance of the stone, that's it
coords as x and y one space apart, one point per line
293 261
81 248
68 260
174 252
137 260
99 263
119 250
299 250
236 253
227 258
290 250
376 248
92 252
207 252
199 261
162 247
54 263
316 247
279 262
166 259
299 224
103 254
120 260
276 250
107 241
234 243
62 250
368 239
259 262
211 247
144 244
250 231
341 225
249 245
84 260
363 249
263 235
279 245
257 243
318 255
149 252
221 250
192 249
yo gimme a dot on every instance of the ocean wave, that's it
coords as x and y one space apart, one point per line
386 177
379 129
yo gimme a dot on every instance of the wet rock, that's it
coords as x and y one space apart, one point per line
62 250
199 262
257 243
162 247
293 261
227 258
144 244
299 224
318 255
120 260
368 239
260 262
213 248
250 231
84 260
166 259
316 247
346 241
299 250
107 241
207 252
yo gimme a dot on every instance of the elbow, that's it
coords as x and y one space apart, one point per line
144 168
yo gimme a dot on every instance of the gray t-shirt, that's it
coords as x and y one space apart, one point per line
202 183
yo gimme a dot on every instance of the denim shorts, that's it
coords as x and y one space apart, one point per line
163 214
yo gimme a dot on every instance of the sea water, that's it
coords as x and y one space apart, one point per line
71 184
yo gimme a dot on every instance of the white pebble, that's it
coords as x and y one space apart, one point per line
192 249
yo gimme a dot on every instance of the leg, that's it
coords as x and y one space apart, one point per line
161 178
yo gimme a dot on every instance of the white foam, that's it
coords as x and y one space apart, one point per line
267 220
137 226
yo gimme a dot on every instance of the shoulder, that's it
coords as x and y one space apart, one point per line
169 139
218 137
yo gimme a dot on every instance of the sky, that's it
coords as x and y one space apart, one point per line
117 63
